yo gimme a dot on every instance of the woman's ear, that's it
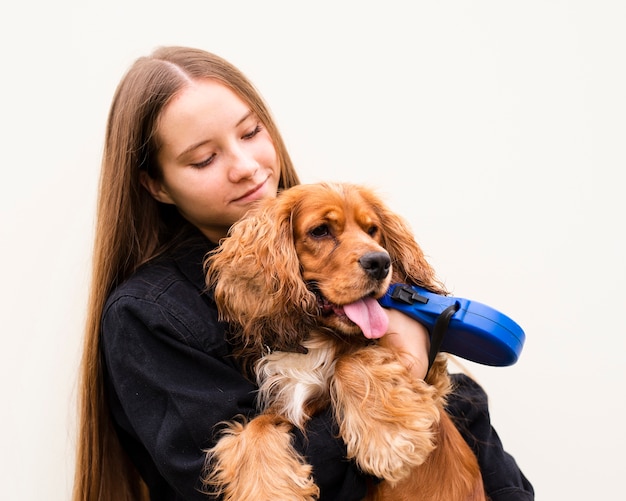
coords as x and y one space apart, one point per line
155 188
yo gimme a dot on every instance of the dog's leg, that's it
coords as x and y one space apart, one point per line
387 419
257 462
451 473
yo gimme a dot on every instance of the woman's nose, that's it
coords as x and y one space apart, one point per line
242 165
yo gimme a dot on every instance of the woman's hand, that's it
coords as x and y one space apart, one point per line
410 340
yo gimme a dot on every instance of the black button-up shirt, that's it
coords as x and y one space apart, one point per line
170 379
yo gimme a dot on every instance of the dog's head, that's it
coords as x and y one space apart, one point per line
317 255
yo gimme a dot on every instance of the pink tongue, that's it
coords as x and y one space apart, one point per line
369 316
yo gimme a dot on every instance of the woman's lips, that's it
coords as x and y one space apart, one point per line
253 194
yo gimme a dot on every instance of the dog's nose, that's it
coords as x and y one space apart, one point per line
376 264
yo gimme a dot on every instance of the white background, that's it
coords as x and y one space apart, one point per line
495 127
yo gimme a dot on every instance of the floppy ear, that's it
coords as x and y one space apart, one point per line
407 258
256 275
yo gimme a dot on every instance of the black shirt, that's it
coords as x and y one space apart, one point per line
170 379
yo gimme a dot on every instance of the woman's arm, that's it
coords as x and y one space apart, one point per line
468 405
170 381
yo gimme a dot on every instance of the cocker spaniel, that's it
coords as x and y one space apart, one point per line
297 279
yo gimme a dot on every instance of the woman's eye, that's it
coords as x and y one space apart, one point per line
253 132
320 231
204 162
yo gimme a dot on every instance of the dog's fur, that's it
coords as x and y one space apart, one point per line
281 278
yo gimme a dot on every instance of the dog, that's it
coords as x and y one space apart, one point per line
297 279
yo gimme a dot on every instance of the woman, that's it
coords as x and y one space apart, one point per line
189 146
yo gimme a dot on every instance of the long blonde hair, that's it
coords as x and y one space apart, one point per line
132 228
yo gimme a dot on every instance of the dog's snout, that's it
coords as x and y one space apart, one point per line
376 264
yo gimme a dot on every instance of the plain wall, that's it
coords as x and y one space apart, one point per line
495 127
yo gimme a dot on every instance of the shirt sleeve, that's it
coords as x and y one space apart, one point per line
170 380
503 479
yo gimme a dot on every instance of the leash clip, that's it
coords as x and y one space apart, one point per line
407 295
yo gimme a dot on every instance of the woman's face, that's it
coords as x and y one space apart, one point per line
216 158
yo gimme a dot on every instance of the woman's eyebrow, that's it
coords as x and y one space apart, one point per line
192 147
244 118
205 141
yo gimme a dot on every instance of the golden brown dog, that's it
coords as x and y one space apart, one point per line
298 279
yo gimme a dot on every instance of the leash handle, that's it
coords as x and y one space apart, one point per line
458 326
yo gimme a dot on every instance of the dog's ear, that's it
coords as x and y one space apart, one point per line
256 276
407 258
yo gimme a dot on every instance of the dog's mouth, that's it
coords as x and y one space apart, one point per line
366 313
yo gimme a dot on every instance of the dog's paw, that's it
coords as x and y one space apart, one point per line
386 418
257 461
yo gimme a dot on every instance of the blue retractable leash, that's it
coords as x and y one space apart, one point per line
461 327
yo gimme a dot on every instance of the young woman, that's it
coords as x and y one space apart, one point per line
189 146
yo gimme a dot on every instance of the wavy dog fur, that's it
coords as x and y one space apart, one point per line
281 278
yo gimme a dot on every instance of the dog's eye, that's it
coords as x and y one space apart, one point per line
320 231
372 231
